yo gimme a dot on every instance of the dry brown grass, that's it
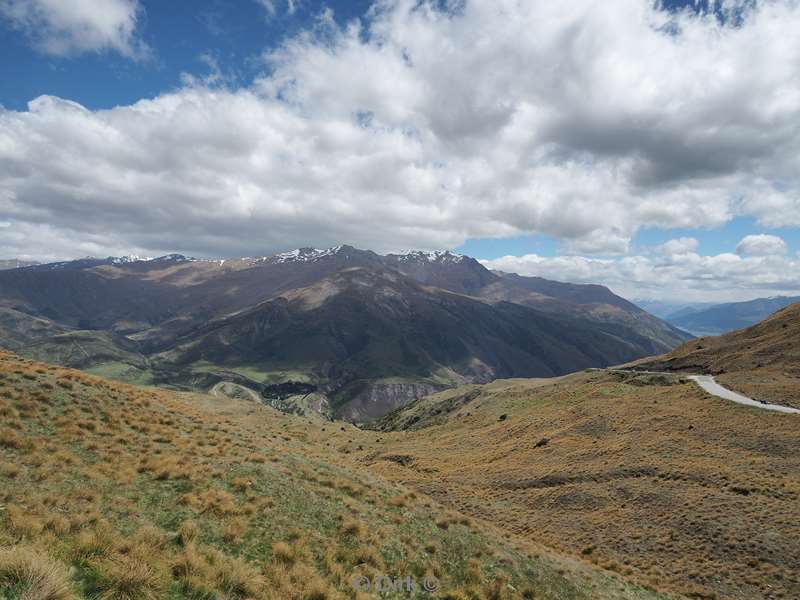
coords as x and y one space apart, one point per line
144 490
35 575
762 361
664 484
128 578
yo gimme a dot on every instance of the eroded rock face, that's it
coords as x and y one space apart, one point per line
377 399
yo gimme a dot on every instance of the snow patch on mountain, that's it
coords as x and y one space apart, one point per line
435 256
298 255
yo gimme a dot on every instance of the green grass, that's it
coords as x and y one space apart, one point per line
122 372
249 478
258 373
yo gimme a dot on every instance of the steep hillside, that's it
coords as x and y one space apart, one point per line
721 318
592 302
367 332
649 477
762 361
101 352
362 326
116 492
18 329
465 275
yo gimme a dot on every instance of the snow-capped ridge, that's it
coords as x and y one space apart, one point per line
134 258
300 255
433 256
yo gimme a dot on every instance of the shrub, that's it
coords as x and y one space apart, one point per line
128 578
283 552
35 575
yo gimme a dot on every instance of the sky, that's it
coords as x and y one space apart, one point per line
652 147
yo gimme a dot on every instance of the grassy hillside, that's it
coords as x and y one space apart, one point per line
117 492
762 361
18 329
646 476
100 352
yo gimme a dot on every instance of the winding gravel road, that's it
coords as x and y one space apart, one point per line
708 383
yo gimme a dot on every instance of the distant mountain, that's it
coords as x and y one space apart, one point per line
14 263
361 332
763 360
721 318
663 309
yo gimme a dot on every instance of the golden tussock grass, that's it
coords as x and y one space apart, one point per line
128 578
154 494
283 553
667 486
35 575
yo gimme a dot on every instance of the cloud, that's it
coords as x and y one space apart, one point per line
684 245
70 27
271 6
268 6
760 245
679 277
428 123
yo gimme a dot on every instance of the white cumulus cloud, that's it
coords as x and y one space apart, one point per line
422 126
684 245
68 27
761 245
679 276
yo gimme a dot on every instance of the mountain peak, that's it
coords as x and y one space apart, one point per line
434 256
134 258
303 255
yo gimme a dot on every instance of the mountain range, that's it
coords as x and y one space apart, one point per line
341 332
717 319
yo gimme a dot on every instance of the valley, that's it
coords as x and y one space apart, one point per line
599 484
486 409
359 332
399 300
234 468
